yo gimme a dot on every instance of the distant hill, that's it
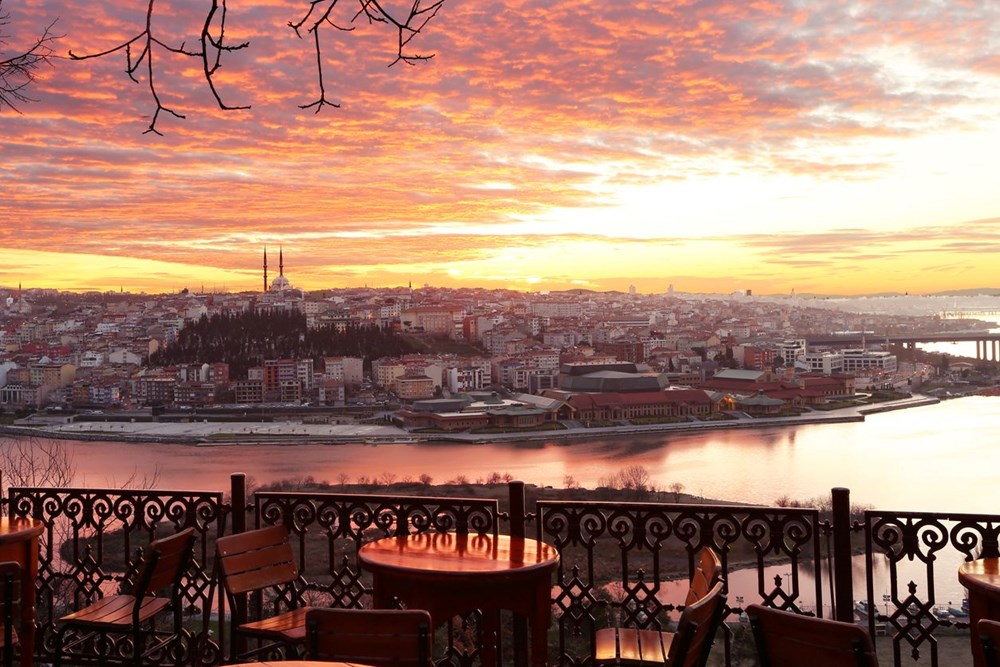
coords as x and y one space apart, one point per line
984 291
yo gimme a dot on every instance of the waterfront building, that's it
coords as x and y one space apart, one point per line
856 360
826 362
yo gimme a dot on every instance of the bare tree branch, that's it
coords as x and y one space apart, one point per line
35 462
213 44
17 72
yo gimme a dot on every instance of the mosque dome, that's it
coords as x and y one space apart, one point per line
280 284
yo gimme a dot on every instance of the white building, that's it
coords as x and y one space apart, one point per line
826 362
863 360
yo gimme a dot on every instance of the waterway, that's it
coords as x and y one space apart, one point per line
964 348
939 458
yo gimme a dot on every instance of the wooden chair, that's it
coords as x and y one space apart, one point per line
707 573
989 639
10 599
253 562
164 564
377 637
787 639
628 646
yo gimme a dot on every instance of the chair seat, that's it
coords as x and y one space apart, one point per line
630 645
116 611
288 626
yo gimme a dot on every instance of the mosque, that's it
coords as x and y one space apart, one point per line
280 288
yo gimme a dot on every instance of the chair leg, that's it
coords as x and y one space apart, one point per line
137 646
178 639
57 662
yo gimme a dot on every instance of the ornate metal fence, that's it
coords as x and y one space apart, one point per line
625 563
328 529
92 546
617 560
920 549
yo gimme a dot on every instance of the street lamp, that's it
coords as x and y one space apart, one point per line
886 598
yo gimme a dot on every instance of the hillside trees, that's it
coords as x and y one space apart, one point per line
246 339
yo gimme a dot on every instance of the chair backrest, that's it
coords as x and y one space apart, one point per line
989 639
707 573
696 630
10 598
377 637
164 564
787 639
256 559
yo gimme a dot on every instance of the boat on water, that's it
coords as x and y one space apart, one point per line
960 612
861 608
942 613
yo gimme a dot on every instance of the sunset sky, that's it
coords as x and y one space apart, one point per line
827 147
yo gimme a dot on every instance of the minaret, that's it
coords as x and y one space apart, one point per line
281 262
265 268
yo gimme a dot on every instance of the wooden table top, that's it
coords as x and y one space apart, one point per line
19 529
983 573
297 663
458 554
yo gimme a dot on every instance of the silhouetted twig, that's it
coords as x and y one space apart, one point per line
17 72
213 44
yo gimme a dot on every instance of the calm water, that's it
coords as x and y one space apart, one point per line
962 349
942 457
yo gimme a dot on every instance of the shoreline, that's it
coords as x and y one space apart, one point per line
222 434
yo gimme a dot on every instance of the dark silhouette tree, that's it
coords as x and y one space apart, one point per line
17 71
247 339
212 45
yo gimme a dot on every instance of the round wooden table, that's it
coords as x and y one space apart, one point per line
19 543
982 578
297 663
449 574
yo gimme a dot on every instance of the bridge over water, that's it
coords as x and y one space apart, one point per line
987 343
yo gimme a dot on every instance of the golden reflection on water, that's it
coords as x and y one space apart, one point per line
937 458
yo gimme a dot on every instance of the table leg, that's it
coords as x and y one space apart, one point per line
381 599
540 619
979 607
490 637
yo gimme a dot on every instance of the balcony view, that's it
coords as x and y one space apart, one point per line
460 333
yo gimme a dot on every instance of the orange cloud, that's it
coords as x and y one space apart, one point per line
525 113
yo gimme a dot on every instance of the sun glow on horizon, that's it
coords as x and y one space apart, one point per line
719 145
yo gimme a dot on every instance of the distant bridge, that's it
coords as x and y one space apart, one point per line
986 342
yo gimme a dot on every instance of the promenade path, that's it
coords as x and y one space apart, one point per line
296 432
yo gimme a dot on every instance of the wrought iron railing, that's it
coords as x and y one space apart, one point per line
621 563
92 545
616 560
328 529
920 548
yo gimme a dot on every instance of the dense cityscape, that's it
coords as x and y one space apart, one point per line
436 360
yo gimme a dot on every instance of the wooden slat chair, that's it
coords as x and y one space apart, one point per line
10 601
787 639
989 639
157 589
376 637
634 646
253 562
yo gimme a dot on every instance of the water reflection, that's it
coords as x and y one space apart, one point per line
935 458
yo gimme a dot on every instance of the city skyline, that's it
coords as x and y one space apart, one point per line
715 146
